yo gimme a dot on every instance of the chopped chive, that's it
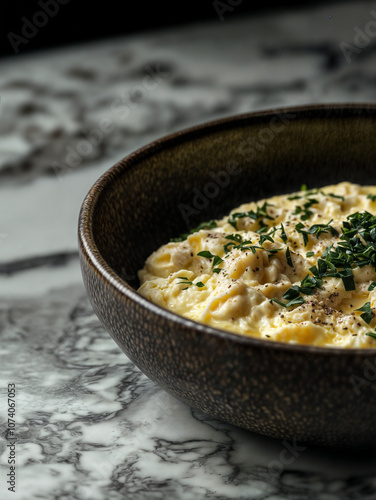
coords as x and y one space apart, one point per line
278 302
309 283
296 301
288 257
258 215
234 237
293 302
217 260
367 312
206 254
283 234
342 198
186 281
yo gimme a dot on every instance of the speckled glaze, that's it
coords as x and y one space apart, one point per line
314 395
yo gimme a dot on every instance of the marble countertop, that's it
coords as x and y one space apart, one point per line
88 423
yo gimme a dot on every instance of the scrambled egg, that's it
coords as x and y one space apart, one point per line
296 268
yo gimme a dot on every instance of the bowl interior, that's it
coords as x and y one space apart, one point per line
171 186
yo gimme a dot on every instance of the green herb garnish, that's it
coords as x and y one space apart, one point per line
288 257
342 198
372 334
186 281
367 312
292 295
309 283
267 236
235 238
304 211
293 302
312 192
346 276
315 230
243 245
258 215
206 254
216 260
283 234
356 247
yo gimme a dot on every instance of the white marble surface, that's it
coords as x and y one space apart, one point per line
89 424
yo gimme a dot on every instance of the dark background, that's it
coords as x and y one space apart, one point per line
78 20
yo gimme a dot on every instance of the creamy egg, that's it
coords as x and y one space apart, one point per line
296 268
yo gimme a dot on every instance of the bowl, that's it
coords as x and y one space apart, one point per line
315 395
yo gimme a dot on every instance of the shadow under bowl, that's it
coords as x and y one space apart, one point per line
315 395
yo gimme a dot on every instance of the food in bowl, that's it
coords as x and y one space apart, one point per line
297 268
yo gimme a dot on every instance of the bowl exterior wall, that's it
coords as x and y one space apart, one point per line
312 395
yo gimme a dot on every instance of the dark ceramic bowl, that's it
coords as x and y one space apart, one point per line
316 395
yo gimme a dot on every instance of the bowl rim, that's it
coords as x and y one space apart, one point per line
89 249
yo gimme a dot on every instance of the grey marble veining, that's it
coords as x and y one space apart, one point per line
95 427
89 424
156 83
